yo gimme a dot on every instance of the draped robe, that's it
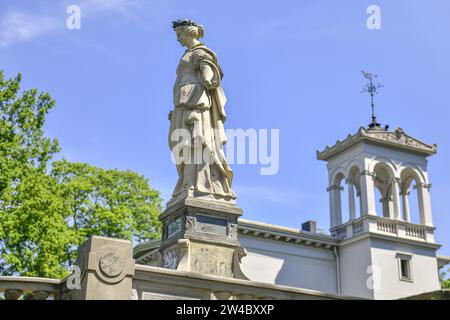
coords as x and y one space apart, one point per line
199 102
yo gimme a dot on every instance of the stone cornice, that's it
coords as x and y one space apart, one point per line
291 235
442 260
397 139
297 237
257 229
142 249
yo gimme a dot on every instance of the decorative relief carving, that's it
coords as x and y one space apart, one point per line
213 225
190 223
335 187
422 185
170 259
399 133
397 137
112 263
233 230
241 253
214 260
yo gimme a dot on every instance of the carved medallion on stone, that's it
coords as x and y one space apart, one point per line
112 263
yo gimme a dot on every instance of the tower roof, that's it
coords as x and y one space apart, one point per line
397 139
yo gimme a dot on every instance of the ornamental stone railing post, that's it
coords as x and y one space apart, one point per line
106 267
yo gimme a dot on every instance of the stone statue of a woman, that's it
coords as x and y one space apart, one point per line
199 111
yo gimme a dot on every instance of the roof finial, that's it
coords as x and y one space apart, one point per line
371 88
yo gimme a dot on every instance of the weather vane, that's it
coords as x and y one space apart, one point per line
371 88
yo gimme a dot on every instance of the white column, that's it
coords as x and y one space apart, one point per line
358 194
335 205
331 204
396 198
351 199
405 199
423 195
367 194
386 207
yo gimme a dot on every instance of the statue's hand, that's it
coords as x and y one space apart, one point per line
170 115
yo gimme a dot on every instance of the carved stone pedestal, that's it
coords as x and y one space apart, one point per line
201 236
107 269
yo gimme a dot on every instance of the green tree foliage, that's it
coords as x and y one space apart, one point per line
444 279
33 233
112 203
47 210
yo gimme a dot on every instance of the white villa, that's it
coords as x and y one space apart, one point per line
374 254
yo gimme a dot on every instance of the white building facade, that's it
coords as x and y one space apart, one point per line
381 243
400 256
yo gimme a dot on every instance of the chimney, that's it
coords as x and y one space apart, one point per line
309 226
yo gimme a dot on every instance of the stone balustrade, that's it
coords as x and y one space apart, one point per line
107 271
15 288
384 226
358 226
414 231
387 226
153 283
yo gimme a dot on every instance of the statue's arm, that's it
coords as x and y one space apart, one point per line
207 75
203 63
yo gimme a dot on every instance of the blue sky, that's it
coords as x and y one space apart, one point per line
290 65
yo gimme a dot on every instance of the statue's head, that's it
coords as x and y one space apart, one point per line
188 32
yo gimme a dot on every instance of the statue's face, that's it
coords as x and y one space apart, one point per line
183 38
